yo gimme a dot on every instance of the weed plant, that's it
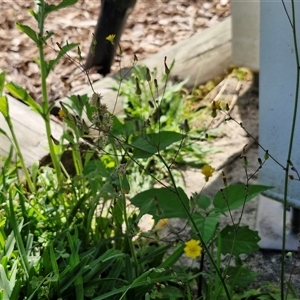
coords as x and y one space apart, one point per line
72 231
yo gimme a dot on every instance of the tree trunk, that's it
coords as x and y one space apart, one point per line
111 21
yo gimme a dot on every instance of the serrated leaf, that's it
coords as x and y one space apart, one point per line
146 146
21 94
65 3
244 241
29 32
206 224
234 196
63 50
162 203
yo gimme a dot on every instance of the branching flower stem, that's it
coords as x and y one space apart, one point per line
203 244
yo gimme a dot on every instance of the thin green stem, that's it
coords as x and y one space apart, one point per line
45 103
187 211
129 239
20 155
46 114
16 229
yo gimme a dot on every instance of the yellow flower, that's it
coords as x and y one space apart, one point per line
192 249
62 114
111 38
207 171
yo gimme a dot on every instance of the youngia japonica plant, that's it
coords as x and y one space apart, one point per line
71 231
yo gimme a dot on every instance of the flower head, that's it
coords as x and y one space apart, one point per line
62 114
111 38
207 171
192 249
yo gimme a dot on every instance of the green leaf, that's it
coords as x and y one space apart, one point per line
65 3
206 224
4 108
21 94
240 277
2 82
72 274
173 258
234 196
244 241
146 146
162 203
4 282
202 201
123 129
29 32
63 50
112 277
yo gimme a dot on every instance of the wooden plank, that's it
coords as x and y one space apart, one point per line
200 58
30 131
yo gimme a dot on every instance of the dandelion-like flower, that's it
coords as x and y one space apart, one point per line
62 114
207 171
193 249
111 38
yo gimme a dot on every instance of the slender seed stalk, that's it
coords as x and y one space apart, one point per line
211 259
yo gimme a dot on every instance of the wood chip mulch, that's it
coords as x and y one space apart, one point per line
152 26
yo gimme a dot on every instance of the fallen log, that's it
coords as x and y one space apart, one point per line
30 131
200 58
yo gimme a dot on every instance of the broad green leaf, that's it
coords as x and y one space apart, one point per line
95 169
4 108
162 203
202 201
64 3
206 225
20 93
240 277
146 146
234 196
244 241
29 32
2 82
124 129
63 50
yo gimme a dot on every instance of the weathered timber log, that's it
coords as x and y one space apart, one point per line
30 131
112 18
200 58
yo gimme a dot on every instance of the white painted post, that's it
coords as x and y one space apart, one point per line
277 65
277 97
